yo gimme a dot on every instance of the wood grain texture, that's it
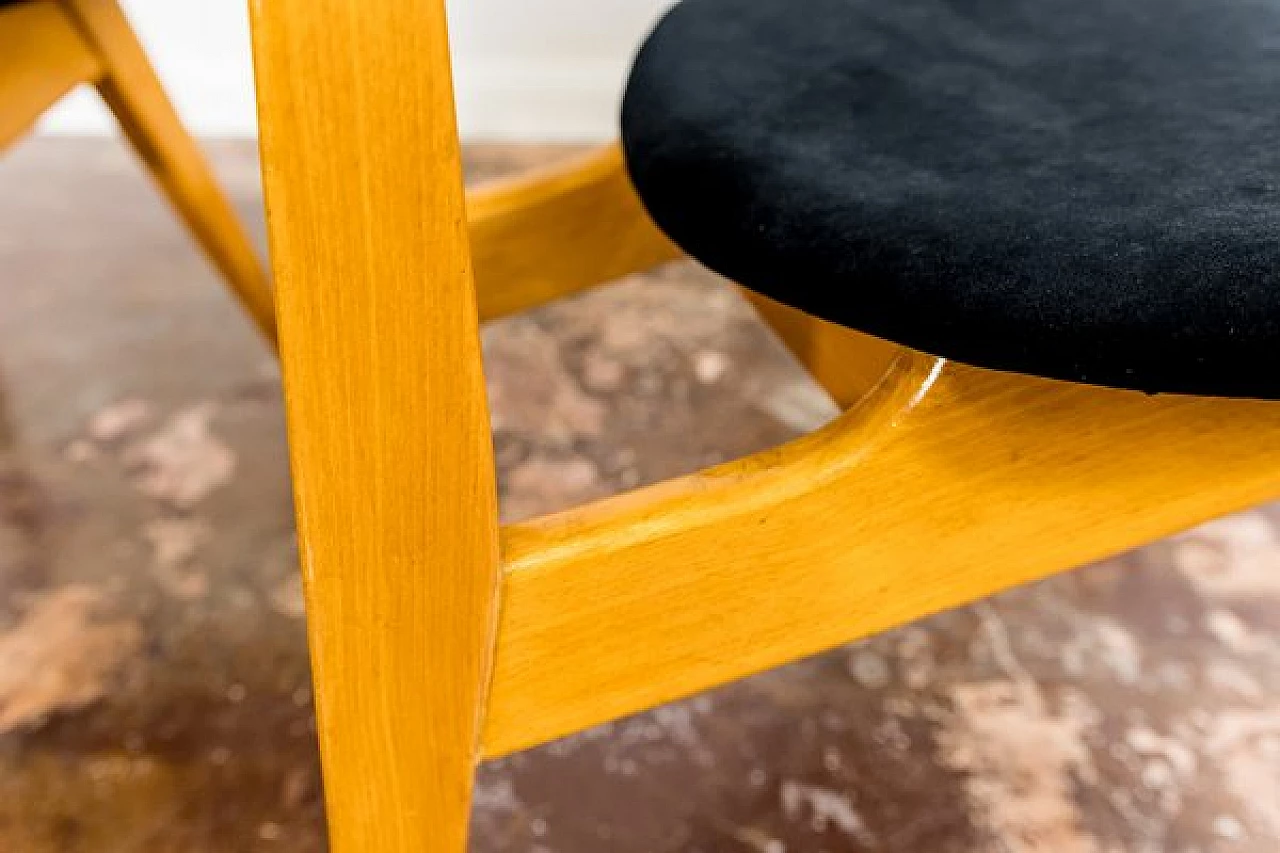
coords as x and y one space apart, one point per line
42 57
945 485
846 363
389 433
130 88
541 236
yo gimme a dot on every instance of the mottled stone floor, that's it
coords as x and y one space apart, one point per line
154 690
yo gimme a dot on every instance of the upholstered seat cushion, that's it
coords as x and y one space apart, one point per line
1081 189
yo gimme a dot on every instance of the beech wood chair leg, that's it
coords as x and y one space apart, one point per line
130 88
388 425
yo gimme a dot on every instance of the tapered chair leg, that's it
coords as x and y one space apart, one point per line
130 88
388 426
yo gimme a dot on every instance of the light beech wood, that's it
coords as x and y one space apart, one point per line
130 88
47 47
42 57
944 485
542 236
846 363
388 430
938 485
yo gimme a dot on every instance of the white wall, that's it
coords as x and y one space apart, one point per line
525 69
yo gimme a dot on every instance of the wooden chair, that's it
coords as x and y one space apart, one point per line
48 47
440 638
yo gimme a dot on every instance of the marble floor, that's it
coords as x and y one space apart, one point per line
154 685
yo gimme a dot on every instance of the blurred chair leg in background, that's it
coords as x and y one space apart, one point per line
47 47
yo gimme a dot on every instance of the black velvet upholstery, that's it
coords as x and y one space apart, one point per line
1081 189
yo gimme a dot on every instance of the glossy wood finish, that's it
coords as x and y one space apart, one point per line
129 86
940 484
389 435
945 485
548 234
42 57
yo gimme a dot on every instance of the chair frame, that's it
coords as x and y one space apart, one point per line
440 638
49 47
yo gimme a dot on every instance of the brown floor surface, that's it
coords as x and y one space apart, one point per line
154 690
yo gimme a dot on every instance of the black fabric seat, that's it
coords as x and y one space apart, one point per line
1080 189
